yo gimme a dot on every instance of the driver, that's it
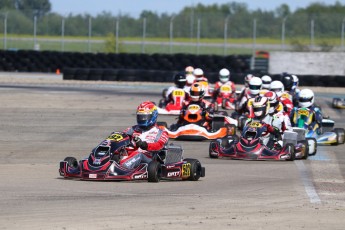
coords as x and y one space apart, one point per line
272 138
180 82
147 137
197 93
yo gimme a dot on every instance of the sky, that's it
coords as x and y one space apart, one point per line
135 7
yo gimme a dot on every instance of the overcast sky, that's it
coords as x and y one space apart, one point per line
135 7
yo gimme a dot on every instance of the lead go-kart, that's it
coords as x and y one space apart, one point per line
338 103
325 135
249 146
192 129
103 163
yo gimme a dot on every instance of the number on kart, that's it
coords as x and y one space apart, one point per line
115 137
225 88
193 107
186 169
178 93
303 112
255 124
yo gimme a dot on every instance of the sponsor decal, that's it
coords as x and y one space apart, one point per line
93 176
173 174
141 176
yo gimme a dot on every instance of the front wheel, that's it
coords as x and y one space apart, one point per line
72 162
196 171
154 171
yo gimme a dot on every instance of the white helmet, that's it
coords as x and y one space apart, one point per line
224 75
198 73
190 79
189 70
278 87
295 82
255 85
266 81
306 98
261 107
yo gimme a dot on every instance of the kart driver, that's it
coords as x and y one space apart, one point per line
272 138
306 100
197 93
147 137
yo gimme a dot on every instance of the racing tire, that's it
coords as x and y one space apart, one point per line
196 170
335 102
154 172
340 132
71 161
223 103
164 92
306 149
291 149
312 146
210 149
216 107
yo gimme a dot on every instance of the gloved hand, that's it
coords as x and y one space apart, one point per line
139 143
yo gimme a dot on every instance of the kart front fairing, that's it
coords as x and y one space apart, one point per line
196 132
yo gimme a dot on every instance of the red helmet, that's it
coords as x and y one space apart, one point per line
147 114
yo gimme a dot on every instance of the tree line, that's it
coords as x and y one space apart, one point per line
208 20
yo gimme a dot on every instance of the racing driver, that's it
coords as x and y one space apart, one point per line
147 137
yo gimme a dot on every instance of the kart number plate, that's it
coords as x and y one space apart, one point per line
178 93
115 137
255 124
225 89
303 112
92 176
193 107
186 170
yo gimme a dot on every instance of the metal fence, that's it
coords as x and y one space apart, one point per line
194 33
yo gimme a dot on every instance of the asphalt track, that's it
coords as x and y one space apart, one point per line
43 122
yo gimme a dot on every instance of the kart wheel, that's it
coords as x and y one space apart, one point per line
340 132
305 149
291 149
211 154
224 103
72 162
164 92
215 106
312 146
154 171
196 171
161 103
335 102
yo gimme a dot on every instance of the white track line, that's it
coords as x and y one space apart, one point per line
307 182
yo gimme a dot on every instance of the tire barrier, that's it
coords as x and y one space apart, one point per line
142 67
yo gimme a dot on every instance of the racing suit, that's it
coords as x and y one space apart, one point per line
217 87
287 103
316 119
152 139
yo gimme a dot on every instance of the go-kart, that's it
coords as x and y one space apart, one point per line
249 146
338 103
325 135
224 98
192 126
173 107
104 163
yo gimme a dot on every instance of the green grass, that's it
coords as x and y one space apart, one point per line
81 44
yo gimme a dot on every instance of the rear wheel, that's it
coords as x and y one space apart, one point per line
340 132
154 171
305 149
72 162
195 169
210 152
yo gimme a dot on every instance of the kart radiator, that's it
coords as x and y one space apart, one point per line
174 154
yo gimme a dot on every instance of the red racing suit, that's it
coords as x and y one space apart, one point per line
155 137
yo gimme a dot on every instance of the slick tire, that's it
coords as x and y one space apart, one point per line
306 149
71 161
154 171
195 169
340 132
312 146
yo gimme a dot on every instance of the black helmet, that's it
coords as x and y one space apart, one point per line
180 80
287 81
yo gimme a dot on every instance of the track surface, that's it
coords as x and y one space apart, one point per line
42 123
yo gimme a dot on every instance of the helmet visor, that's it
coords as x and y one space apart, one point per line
255 87
143 119
305 99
